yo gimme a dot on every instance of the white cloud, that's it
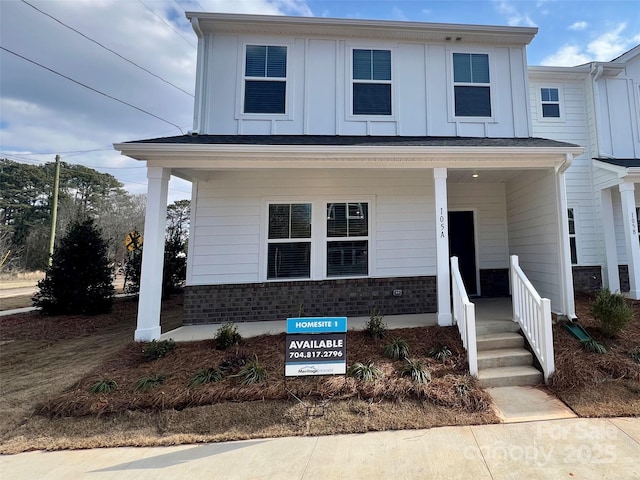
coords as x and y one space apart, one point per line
577 26
514 16
398 14
603 48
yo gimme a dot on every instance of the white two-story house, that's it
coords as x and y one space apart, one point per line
597 106
337 165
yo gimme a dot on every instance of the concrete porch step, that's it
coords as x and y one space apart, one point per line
509 376
494 341
504 357
487 327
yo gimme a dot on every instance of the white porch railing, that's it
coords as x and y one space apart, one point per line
464 315
533 313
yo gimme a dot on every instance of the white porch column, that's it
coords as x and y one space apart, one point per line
630 222
611 278
566 272
442 247
155 222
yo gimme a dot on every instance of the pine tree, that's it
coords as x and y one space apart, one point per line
79 280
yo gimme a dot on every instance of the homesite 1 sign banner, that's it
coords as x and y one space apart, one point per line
311 350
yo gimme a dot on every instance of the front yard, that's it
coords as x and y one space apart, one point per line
48 366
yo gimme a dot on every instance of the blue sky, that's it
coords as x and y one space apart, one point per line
42 114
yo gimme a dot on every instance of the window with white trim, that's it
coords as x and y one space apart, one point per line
265 79
572 236
471 85
289 241
550 102
371 82
347 239
638 222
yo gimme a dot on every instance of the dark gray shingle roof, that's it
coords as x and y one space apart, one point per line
621 162
354 140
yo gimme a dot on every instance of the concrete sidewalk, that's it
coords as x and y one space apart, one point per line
572 449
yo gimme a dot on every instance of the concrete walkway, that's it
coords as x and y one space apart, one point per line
571 449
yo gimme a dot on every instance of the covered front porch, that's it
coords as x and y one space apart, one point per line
511 191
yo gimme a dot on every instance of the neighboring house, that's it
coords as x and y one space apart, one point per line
338 164
597 105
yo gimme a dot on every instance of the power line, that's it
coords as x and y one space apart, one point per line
166 23
91 88
106 48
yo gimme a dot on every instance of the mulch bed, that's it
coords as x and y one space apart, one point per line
450 386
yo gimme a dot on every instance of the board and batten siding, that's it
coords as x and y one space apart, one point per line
488 202
228 232
573 127
533 231
319 89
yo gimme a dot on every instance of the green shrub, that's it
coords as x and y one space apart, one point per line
591 345
147 383
253 372
155 350
417 372
397 349
366 372
375 327
206 375
104 386
635 355
440 353
613 312
227 336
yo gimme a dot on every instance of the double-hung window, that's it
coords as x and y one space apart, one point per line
638 222
265 79
347 239
550 102
471 84
371 82
289 241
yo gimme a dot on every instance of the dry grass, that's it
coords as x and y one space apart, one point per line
13 302
19 279
596 385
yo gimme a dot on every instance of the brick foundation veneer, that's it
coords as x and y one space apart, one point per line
587 279
253 302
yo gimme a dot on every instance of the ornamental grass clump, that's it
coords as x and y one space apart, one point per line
440 353
397 349
416 371
594 346
206 375
155 350
253 372
104 386
367 372
612 311
147 383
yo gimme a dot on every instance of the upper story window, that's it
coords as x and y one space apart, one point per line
265 79
371 82
550 101
472 85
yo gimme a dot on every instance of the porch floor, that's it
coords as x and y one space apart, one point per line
488 311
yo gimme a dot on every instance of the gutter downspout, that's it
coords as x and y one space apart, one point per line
596 72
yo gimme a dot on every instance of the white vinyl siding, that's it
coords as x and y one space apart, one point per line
228 242
534 233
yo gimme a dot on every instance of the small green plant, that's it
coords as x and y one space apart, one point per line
417 372
253 372
155 350
440 353
147 383
300 309
635 354
206 375
104 386
227 336
397 349
375 327
612 311
591 345
367 372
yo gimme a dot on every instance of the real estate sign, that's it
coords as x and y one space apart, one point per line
316 346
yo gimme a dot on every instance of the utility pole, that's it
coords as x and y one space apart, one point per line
54 209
